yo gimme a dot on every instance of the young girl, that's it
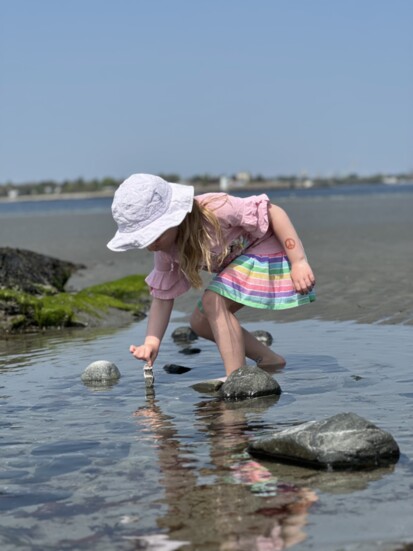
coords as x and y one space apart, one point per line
249 243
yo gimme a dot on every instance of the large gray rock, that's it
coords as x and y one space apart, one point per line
344 441
100 371
249 382
32 272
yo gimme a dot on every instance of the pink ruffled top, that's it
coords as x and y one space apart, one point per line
245 229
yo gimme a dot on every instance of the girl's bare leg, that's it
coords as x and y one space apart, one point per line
226 330
236 341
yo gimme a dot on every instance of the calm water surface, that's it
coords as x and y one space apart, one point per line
112 468
103 204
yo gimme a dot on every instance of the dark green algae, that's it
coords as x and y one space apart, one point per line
22 311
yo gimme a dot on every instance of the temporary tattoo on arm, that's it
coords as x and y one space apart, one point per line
289 243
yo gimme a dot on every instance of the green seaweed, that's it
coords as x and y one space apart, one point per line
66 309
126 289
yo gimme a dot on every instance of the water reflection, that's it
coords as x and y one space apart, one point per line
232 502
80 462
101 386
22 350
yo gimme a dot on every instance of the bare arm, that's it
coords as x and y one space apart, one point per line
158 321
301 273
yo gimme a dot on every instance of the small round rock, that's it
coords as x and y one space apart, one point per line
184 334
263 336
99 371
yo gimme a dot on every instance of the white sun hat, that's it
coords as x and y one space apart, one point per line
144 207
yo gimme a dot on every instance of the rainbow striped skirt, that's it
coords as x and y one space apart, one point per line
260 282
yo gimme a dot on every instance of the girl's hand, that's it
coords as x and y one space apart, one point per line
147 352
302 277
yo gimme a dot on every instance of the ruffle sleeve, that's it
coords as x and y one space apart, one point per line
166 280
255 215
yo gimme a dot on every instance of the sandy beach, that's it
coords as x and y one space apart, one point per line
360 248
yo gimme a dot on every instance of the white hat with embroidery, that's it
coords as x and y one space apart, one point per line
144 207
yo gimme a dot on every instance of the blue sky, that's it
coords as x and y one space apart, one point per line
94 88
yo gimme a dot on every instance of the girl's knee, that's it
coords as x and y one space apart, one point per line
197 322
212 303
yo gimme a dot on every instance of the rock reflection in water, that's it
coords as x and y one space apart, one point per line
234 502
83 465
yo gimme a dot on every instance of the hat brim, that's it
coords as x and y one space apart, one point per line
182 199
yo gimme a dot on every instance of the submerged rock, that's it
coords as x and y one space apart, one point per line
188 351
176 369
101 371
249 382
184 334
208 387
344 441
263 336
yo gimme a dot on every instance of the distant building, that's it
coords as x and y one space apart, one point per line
12 194
391 180
243 178
223 183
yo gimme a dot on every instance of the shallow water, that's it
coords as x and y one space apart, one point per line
112 468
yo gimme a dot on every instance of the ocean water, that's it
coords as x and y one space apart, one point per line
103 204
116 468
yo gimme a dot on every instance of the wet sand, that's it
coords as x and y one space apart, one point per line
360 248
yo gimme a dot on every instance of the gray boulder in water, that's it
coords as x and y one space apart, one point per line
100 371
344 441
249 382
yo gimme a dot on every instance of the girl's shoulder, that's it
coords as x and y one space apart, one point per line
223 204
223 197
211 196
220 204
249 213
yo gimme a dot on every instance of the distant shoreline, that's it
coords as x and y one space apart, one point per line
107 194
198 190
57 196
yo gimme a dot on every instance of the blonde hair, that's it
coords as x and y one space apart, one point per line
197 234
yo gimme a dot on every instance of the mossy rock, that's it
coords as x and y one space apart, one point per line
21 311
